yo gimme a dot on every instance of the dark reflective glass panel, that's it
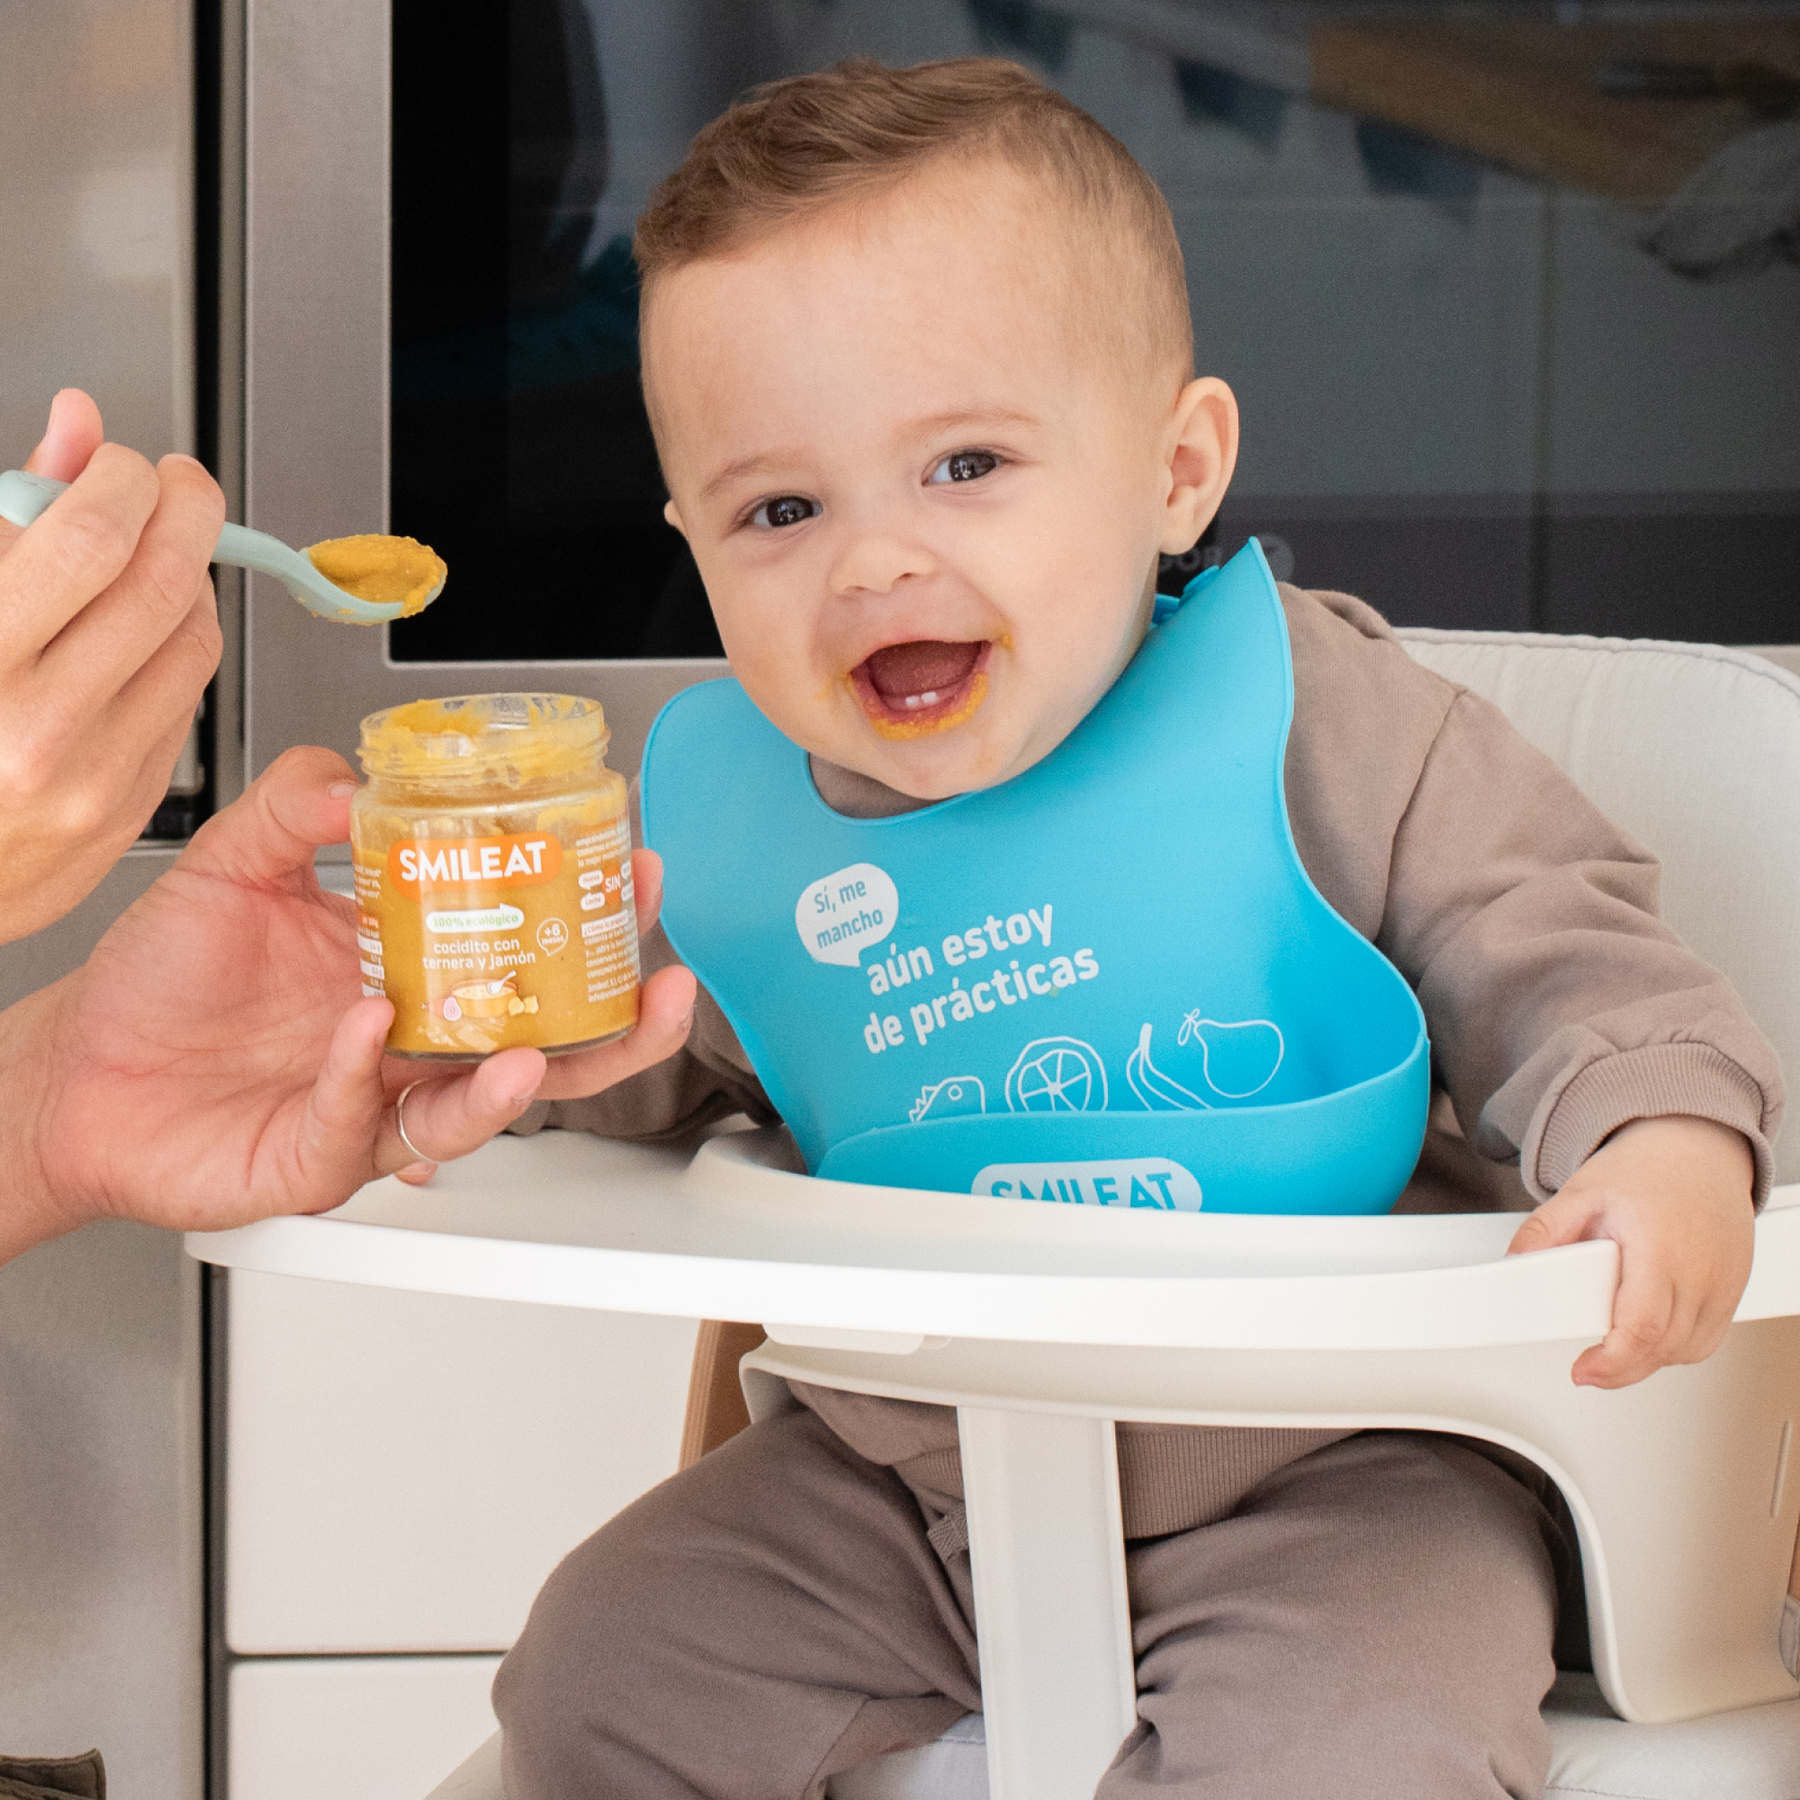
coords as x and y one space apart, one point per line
521 450
1508 293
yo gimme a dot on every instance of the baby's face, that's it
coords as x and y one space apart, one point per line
927 512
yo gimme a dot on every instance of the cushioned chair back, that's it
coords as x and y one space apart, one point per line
1695 751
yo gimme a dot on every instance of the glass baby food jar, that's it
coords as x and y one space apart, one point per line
492 850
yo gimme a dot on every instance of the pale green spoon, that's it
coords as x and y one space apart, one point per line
23 497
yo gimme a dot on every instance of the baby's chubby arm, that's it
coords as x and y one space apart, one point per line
1675 1194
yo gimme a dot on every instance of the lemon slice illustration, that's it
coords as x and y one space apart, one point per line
1057 1074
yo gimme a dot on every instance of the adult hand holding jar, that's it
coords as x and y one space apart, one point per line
216 1060
108 637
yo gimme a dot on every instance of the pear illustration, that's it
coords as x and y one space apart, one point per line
1238 1058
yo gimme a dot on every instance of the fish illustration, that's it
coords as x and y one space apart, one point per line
954 1097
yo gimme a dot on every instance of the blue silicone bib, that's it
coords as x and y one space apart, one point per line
1108 981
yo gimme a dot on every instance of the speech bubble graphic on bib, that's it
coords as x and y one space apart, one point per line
840 915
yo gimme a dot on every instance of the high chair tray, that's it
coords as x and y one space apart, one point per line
732 1231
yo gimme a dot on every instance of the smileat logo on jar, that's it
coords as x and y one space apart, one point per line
839 915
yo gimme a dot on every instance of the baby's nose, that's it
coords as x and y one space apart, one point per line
877 562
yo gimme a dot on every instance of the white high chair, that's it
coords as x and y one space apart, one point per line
1044 1325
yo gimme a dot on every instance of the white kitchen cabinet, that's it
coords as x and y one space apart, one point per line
355 1728
403 1470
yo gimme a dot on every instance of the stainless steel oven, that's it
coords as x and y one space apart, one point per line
440 338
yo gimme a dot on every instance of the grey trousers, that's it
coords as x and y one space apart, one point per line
1373 1622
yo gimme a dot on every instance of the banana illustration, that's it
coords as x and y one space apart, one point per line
1155 1091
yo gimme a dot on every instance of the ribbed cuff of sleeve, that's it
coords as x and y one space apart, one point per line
1656 1081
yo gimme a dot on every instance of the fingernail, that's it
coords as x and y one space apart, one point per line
341 790
181 456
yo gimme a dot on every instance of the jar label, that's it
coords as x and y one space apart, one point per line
486 942
521 860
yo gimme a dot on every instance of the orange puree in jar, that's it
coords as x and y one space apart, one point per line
385 571
492 850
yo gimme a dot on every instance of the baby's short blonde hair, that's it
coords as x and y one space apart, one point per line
797 147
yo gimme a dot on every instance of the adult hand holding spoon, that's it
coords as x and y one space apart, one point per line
108 637
366 580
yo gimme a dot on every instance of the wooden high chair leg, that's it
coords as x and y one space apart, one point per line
715 1402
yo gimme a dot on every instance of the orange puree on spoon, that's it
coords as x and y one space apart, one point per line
386 571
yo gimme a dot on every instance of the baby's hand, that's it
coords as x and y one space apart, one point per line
1675 1195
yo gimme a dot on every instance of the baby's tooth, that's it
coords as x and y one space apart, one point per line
928 699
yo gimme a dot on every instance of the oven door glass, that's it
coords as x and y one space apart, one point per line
1509 297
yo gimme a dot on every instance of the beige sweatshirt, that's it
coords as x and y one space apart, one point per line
1560 1007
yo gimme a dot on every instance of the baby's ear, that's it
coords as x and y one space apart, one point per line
674 517
1202 451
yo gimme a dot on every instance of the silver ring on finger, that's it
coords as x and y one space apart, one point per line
400 1121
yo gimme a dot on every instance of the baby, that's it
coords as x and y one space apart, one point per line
918 357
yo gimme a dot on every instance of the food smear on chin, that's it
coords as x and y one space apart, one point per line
916 689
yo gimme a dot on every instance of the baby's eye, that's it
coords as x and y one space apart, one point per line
966 465
784 509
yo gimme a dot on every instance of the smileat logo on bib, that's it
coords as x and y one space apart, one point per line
840 915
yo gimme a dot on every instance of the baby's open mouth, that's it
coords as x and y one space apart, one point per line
908 690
